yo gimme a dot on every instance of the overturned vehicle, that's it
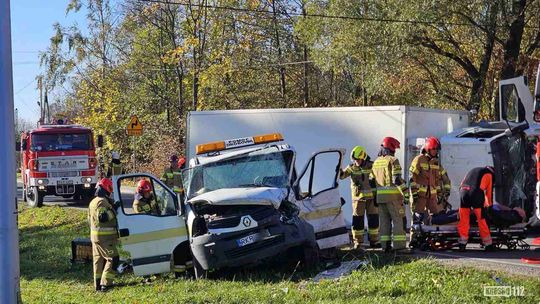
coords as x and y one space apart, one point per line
244 203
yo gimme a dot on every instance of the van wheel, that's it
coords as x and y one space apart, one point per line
310 255
35 198
200 273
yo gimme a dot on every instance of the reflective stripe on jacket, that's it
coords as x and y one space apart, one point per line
173 179
427 177
386 169
360 177
102 231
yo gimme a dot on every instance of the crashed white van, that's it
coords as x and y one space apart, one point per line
244 202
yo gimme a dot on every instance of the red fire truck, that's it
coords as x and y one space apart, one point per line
59 160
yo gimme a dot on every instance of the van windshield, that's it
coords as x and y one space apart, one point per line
61 142
514 170
262 168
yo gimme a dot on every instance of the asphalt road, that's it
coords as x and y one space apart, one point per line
502 260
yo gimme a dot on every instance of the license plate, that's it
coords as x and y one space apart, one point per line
250 239
64 182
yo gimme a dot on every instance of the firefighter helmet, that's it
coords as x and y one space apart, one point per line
144 186
181 162
358 153
432 143
390 143
173 158
106 184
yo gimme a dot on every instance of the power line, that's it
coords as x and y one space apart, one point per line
25 104
25 86
312 15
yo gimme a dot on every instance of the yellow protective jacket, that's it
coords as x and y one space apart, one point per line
144 205
428 177
360 180
102 219
387 172
173 179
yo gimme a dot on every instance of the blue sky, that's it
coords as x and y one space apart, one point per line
31 28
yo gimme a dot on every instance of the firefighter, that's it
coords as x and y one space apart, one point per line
103 235
429 182
172 175
115 167
476 193
362 198
389 196
144 199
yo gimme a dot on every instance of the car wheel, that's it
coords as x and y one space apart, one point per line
311 255
35 198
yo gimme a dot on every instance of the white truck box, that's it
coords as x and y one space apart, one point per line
311 129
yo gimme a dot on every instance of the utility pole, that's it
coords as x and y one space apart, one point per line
9 235
40 102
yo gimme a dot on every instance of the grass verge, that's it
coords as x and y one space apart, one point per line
47 276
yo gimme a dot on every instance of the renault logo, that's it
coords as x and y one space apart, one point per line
246 221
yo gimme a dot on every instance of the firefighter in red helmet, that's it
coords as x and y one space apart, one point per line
144 199
103 235
429 182
390 187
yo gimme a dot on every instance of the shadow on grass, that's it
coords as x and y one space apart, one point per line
45 252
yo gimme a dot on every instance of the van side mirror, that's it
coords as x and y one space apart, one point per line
100 141
23 145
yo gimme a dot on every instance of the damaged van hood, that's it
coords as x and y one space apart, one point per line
268 196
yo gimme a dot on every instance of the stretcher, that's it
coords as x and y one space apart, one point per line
445 237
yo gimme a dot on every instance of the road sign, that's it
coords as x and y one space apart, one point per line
134 127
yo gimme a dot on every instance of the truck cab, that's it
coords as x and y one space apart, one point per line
58 160
245 202
507 145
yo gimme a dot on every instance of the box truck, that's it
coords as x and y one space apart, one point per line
314 129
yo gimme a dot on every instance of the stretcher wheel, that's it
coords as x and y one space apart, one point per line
425 247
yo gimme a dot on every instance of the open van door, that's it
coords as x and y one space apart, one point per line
150 238
319 200
516 103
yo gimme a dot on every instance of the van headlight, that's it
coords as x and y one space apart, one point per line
42 182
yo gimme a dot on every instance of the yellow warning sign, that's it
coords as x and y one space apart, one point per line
134 127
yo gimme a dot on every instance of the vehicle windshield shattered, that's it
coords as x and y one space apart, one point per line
268 167
513 164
